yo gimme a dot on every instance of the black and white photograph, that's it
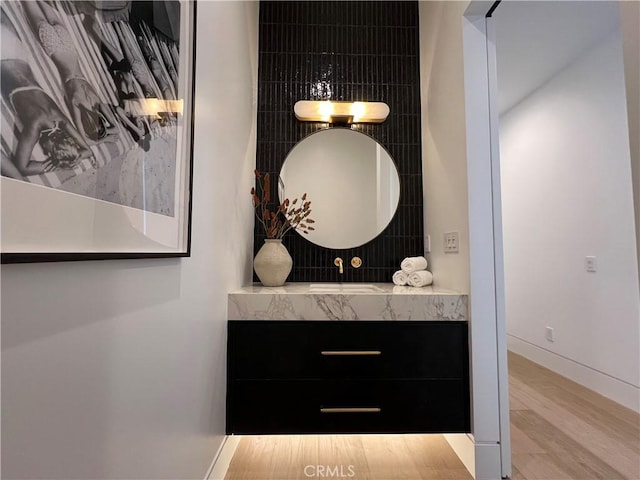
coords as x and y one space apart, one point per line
95 100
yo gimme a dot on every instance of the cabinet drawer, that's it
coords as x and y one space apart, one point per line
348 406
362 349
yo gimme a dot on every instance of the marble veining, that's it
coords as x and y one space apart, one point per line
294 301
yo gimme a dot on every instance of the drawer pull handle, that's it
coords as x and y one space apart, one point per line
351 410
335 353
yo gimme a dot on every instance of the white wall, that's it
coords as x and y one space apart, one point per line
116 369
566 183
444 167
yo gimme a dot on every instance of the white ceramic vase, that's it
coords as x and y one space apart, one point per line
272 263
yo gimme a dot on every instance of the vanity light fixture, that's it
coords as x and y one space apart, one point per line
341 112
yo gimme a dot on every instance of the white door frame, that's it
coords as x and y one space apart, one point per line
486 302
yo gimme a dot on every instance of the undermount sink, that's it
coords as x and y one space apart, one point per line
345 288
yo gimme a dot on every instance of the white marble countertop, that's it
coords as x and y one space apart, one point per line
330 301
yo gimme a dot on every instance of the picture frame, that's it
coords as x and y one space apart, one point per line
96 129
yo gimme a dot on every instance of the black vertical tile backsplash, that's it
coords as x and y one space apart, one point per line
344 50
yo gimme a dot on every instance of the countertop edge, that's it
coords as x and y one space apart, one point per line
389 304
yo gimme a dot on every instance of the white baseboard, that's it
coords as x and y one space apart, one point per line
465 449
610 387
482 460
222 458
487 461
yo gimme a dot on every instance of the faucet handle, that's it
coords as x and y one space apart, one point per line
338 263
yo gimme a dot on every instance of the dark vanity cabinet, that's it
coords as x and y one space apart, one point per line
347 377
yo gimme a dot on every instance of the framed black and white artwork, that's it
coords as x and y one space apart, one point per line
96 128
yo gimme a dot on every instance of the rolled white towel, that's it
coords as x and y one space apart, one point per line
413 264
421 278
400 278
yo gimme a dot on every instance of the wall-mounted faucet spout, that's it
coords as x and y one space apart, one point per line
338 263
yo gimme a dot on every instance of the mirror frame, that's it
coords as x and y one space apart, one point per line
352 128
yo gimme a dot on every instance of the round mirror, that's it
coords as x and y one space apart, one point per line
352 183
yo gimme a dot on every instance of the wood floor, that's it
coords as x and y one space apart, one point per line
375 457
559 431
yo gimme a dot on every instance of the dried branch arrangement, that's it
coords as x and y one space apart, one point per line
289 215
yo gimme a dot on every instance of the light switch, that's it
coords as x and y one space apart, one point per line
451 242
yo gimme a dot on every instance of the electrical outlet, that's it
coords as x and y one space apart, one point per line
590 264
549 334
451 242
427 244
